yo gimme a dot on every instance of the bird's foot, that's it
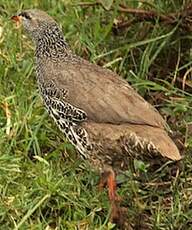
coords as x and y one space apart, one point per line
118 215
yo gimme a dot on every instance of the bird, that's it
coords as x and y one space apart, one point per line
98 112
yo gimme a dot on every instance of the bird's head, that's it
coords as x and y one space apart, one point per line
35 22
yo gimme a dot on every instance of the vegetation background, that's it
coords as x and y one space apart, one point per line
43 183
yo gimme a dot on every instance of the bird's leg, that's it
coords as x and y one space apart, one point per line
112 187
117 214
108 179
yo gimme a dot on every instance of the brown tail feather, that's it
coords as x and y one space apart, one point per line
143 134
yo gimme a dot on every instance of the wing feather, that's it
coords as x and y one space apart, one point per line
103 95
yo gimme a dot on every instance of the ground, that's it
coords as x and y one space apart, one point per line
42 184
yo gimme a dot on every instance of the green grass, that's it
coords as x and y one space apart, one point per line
42 184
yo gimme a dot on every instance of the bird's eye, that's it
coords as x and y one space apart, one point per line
25 15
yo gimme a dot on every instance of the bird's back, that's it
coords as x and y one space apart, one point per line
102 94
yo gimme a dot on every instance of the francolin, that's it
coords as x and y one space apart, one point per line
98 112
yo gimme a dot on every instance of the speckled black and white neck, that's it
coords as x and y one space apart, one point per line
52 48
51 43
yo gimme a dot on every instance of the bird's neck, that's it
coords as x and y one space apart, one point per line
51 44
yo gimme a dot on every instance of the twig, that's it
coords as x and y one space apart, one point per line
125 24
87 4
184 15
157 183
146 14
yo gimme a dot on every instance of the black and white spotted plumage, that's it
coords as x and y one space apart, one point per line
66 116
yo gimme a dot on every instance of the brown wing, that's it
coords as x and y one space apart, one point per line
103 95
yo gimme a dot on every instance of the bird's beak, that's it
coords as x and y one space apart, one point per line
17 19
